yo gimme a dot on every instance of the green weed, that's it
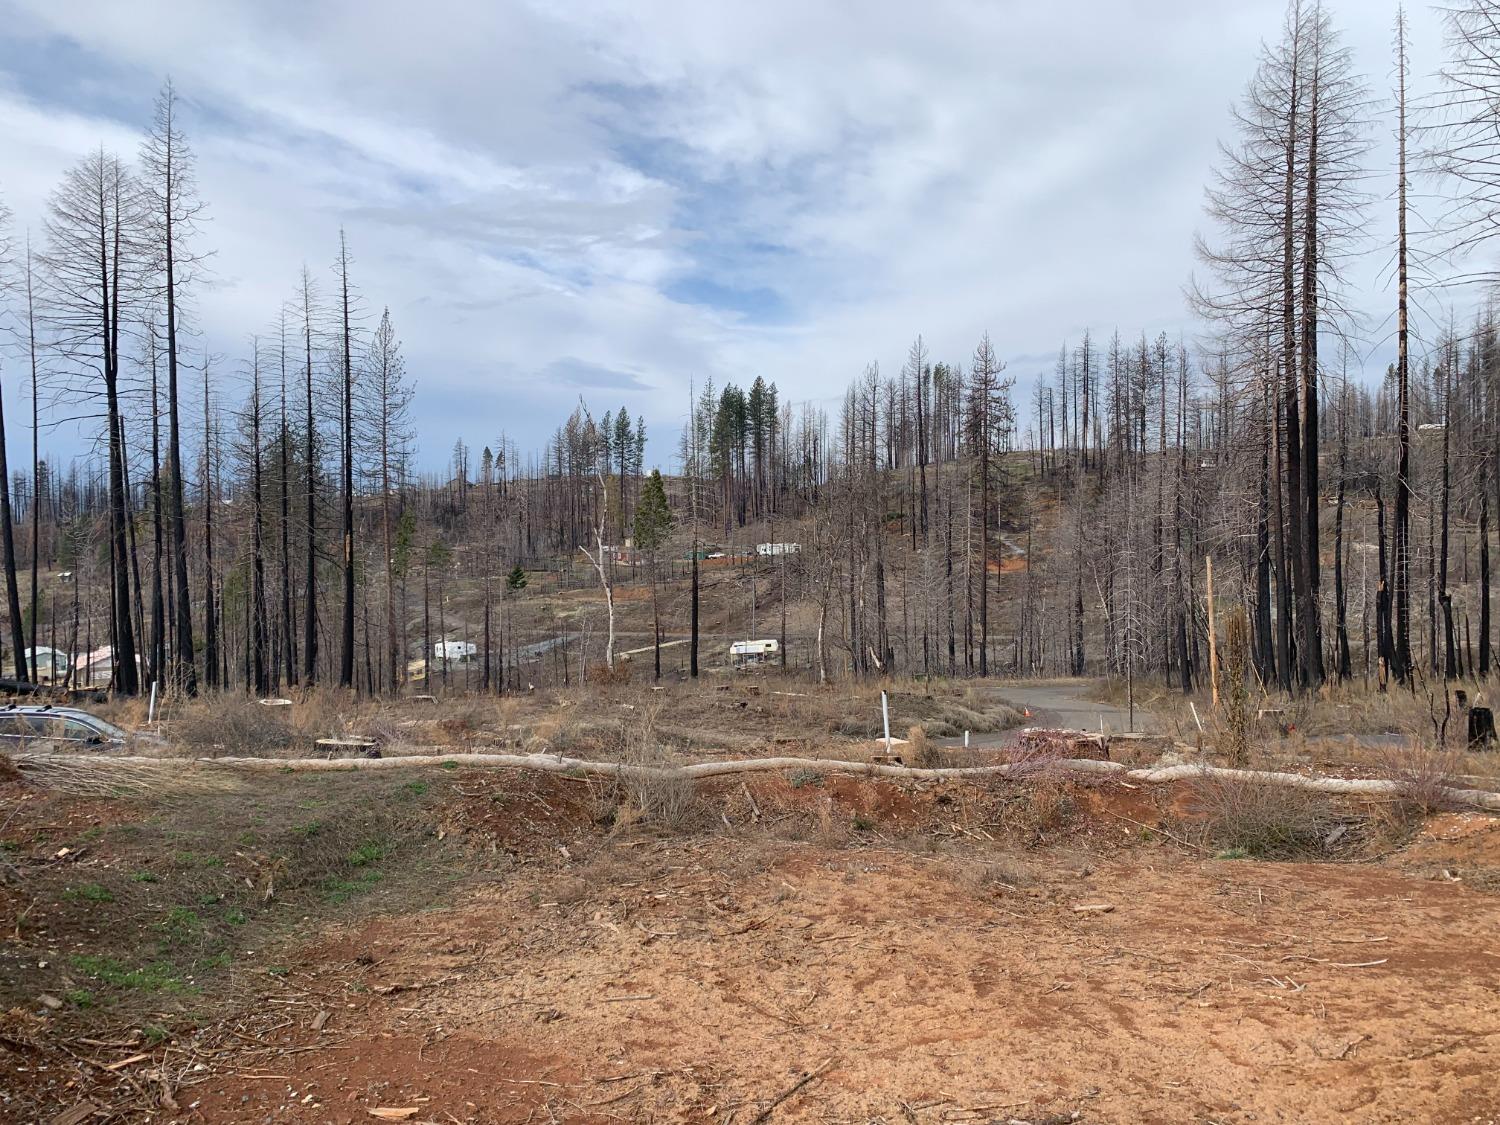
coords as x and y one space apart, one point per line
88 892
149 978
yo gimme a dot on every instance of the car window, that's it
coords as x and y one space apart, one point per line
13 725
98 726
73 728
44 726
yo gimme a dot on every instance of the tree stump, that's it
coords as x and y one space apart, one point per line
1481 728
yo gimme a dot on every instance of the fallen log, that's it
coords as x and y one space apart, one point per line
174 769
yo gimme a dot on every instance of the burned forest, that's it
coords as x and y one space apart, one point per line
715 566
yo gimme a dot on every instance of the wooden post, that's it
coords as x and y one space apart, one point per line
1213 648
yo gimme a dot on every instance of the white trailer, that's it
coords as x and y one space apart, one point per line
767 550
754 652
456 652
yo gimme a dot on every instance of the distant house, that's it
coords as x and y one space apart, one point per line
98 667
47 664
625 555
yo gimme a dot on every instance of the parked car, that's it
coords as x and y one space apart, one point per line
22 723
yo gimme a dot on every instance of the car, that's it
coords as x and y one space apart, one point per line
69 726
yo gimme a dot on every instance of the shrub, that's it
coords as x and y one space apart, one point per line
602 674
1246 816
1420 775
667 802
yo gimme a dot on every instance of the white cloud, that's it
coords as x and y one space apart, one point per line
616 195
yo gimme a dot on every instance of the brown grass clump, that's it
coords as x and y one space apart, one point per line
997 873
923 753
1244 818
8 772
601 674
230 724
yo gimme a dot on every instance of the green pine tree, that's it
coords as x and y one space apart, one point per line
653 523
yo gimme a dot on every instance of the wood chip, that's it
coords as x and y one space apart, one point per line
393 1113
1094 908
319 1020
80 1112
127 1062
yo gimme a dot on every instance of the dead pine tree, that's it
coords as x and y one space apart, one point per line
989 418
307 312
211 671
1401 666
258 664
94 232
7 534
346 462
173 210
386 401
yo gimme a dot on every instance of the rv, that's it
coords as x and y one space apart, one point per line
753 652
455 652
767 550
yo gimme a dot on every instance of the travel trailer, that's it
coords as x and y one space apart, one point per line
753 652
455 652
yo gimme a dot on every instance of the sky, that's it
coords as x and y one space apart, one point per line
610 202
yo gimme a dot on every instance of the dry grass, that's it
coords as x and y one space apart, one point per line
1245 818
923 753
941 713
662 802
230 724
994 873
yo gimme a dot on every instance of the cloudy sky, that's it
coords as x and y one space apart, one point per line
609 200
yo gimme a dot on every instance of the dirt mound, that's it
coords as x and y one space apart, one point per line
521 811
1455 847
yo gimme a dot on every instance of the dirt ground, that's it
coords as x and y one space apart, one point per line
842 951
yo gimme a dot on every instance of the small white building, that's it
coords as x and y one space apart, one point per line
48 664
747 652
769 549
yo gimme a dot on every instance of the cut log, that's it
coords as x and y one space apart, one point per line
38 766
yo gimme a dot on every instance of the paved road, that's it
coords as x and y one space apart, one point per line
1056 703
